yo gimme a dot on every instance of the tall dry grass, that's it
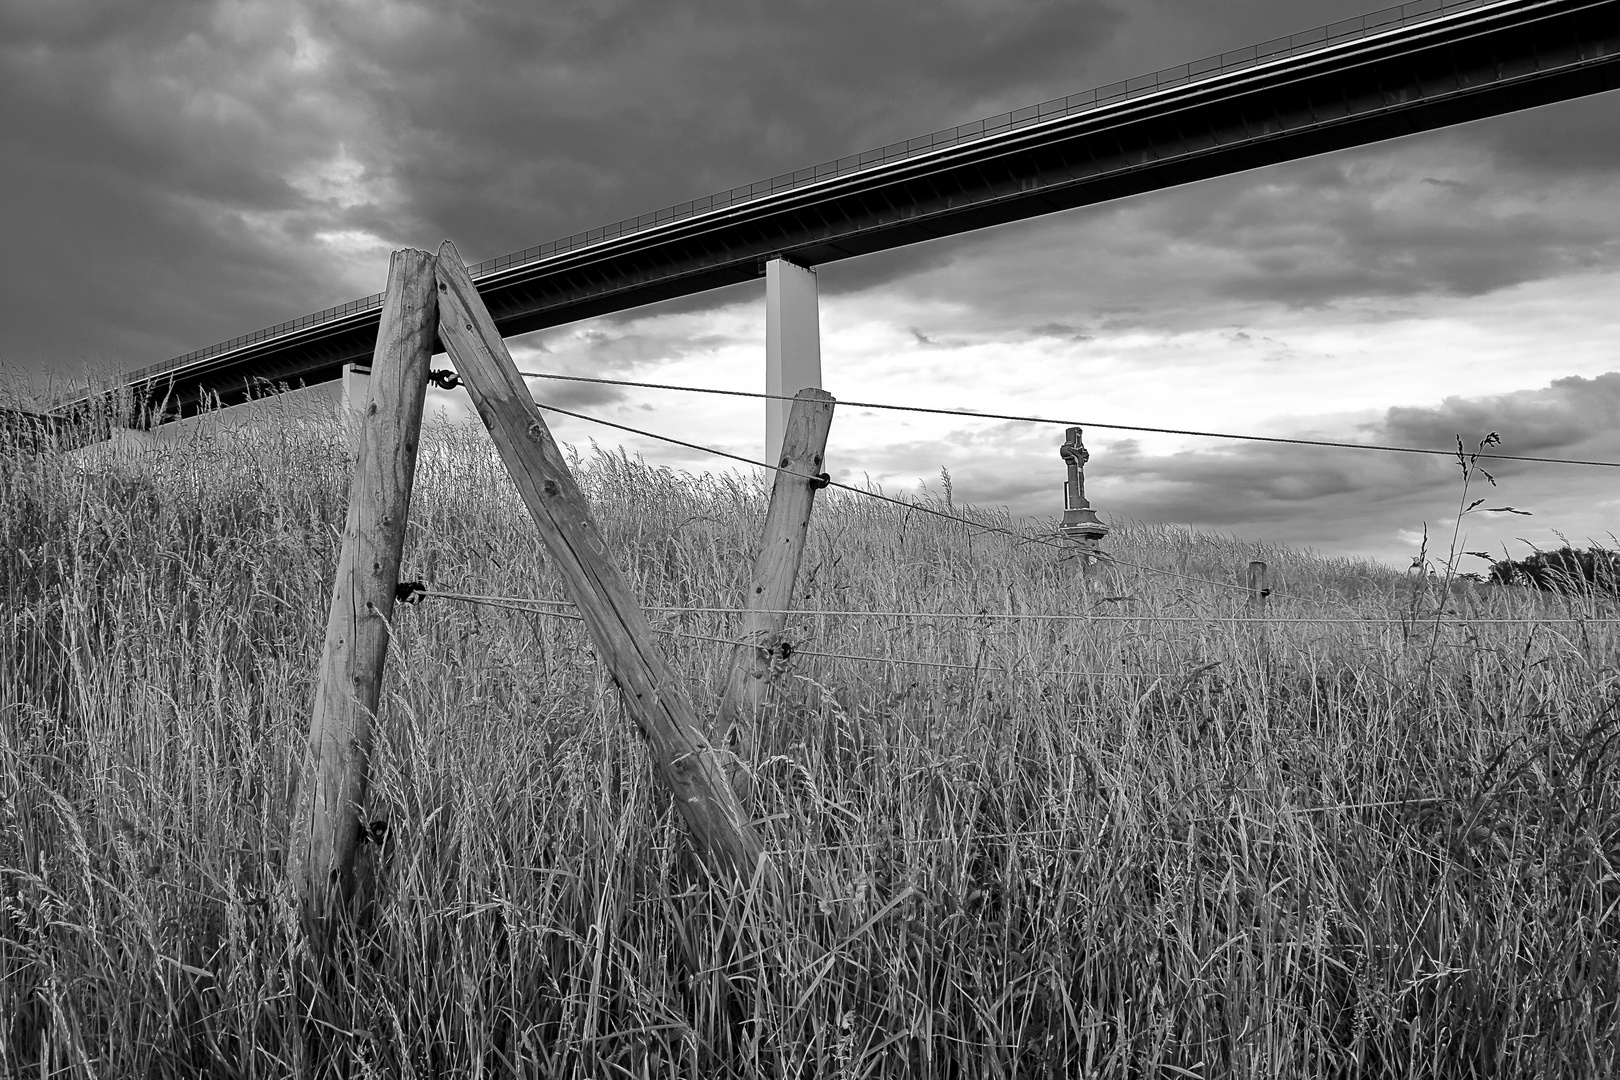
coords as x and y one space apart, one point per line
1169 845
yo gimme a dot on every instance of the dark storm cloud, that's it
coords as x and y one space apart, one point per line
165 153
571 395
1063 330
1259 485
1558 141
1390 224
540 121
1570 415
143 142
1372 225
1223 484
618 348
177 171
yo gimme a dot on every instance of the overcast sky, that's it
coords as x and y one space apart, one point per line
176 173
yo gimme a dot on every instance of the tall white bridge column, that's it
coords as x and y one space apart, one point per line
356 390
792 343
356 398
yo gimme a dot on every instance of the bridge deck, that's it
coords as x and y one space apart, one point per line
1401 70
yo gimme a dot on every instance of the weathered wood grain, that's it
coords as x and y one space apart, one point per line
776 567
332 786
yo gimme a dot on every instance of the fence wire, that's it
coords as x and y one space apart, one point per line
1329 443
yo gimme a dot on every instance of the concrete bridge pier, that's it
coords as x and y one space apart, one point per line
124 449
792 343
356 396
356 390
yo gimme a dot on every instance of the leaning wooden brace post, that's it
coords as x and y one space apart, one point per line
616 623
332 787
781 549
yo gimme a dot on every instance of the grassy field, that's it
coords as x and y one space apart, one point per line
1169 844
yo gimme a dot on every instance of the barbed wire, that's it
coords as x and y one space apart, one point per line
1329 443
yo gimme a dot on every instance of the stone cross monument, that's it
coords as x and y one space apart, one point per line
1080 525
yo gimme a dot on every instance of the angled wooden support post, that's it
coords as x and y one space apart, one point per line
332 787
781 549
1259 588
618 627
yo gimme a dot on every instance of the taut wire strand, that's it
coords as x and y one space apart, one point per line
1331 444
1017 616
523 606
965 522
449 379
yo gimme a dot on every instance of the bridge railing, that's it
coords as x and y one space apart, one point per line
1376 22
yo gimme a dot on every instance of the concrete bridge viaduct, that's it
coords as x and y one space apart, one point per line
1404 69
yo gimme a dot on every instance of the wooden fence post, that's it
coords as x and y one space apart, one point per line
624 639
332 786
1259 588
781 549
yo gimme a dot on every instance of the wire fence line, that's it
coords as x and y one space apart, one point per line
1078 829
1020 616
551 612
821 479
1273 595
1328 443
908 505
1078 832
826 481
448 380
1022 538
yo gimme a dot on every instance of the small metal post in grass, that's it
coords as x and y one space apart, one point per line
332 786
781 549
1259 588
681 754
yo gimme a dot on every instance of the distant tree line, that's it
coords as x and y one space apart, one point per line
1566 570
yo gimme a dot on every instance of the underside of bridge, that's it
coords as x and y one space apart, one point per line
1429 65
